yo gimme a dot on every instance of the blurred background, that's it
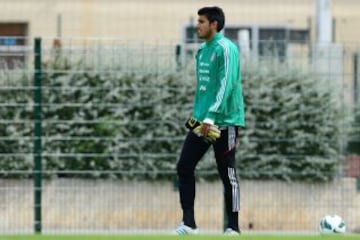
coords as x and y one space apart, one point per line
94 96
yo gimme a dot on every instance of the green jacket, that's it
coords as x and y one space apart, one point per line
218 95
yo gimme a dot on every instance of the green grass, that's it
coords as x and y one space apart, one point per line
168 237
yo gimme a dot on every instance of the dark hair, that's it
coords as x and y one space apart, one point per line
214 14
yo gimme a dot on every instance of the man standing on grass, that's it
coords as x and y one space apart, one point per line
218 112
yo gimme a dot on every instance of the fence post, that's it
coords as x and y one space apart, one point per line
225 216
37 136
356 78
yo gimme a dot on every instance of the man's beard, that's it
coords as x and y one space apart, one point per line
205 36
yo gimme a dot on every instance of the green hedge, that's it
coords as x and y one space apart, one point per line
122 124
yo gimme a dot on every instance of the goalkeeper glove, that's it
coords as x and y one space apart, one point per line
212 135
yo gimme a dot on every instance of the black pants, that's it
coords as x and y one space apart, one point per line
192 152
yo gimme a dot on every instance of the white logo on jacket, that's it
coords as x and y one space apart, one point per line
212 57
202 88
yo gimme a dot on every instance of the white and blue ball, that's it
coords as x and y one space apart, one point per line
331 224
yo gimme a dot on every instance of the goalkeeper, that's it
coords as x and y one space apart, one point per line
218 112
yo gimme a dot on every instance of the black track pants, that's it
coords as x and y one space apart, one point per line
192 152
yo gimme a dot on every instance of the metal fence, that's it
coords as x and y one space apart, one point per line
67 202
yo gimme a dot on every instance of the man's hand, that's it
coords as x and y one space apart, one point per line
204 129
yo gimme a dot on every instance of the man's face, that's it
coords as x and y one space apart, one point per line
205 29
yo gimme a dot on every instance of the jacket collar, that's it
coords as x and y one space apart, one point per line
216 37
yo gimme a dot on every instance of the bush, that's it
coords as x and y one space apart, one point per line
293 125
130 124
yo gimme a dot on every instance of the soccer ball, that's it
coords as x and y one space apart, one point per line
332 224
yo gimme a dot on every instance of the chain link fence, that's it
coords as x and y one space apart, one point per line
83 148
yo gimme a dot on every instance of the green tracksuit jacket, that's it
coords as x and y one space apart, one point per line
218 95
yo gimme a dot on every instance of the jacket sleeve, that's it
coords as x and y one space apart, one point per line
222 78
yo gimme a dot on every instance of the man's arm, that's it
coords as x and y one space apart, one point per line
222 78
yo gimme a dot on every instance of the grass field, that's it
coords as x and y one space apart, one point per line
168 237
